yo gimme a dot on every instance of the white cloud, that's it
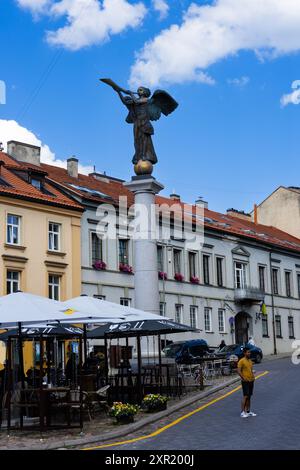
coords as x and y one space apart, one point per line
11 130
239 82
87 22
35 6
293 97
162 7
210 33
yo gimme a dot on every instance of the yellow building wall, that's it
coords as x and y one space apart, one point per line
32 258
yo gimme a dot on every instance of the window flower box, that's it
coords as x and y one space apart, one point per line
179 277
162 275
99 265
194 280
125 268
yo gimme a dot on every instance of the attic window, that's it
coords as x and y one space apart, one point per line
3 182
93 192
36 183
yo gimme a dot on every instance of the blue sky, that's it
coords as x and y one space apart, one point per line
231 140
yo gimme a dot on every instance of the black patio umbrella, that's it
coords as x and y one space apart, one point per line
139 328
45 331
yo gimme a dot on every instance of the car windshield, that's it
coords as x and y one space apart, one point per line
230 348
172 349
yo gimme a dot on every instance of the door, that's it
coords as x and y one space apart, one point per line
241 328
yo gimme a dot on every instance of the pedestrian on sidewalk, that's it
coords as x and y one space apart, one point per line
245 371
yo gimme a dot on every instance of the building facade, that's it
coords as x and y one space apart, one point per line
40 231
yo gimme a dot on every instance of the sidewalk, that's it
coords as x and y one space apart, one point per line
103 429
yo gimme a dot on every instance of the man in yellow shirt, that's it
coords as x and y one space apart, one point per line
245 371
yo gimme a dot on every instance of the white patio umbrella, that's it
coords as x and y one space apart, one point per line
101 309
21 307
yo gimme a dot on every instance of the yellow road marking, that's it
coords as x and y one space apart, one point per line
173 423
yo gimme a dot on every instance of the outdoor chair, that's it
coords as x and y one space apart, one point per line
74 403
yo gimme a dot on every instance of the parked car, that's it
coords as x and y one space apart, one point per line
236 351
186 352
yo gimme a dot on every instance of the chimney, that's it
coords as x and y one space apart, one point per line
72 167
239 214
200 202
175 197
255 214
23 152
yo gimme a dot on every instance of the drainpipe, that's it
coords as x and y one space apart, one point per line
273 308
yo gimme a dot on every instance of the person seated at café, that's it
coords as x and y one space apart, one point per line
92 363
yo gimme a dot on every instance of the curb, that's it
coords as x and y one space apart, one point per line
132 427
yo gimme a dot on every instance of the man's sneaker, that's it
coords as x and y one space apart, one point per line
244 414
250 413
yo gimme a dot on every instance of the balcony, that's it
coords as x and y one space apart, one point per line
249 294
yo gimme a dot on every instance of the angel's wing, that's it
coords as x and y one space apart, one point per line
161 102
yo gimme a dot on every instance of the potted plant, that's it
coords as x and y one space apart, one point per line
155 402
194 280
125 268
179 277
123 412
99 265
162 275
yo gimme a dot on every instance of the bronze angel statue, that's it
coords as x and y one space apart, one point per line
144 108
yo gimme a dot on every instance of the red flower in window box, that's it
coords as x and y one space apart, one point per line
99 265
125 268
194 280
162 275
179 277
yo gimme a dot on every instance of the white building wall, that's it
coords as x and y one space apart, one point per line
114 285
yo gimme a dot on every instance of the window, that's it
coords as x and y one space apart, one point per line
178 313
36 183
207 319
160 259
192 264
205 259
219 262
54 287
298 283
100 297
125 301
193 316
13 229
54 236
12 281
123 251
240 275
96 243
278 326
221 319
275 280
287 275
262 278
162 309
265 328
291 327
177 261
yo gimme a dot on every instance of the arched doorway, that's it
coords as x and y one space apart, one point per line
242 324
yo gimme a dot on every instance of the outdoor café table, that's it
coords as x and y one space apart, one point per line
44 395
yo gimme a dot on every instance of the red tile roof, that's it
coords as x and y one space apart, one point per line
17 187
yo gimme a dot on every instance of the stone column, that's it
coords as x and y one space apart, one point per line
146 283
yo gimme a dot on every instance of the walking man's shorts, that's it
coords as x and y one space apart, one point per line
247 388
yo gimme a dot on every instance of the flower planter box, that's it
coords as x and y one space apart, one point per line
155 409
194 280
162 275
99 265
125 268
179 277
124 419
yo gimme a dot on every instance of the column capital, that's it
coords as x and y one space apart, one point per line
144 184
